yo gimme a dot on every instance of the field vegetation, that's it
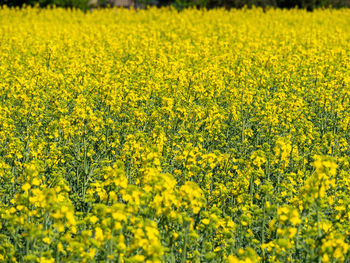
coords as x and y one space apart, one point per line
164 136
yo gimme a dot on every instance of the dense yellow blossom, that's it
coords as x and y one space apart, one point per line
163 136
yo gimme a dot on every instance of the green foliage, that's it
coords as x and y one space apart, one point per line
81 4
182 4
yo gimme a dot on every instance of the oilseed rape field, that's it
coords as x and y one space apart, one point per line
163 136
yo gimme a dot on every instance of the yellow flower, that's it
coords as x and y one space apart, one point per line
93 219
138 258
99 234
206 221
60 247
47 240
26 187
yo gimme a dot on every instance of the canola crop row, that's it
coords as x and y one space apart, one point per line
164 136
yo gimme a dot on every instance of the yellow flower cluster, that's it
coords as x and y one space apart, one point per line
163 136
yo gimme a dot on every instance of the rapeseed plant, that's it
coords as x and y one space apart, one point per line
163 136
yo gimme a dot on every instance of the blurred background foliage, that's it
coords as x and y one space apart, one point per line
81 4
181 4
